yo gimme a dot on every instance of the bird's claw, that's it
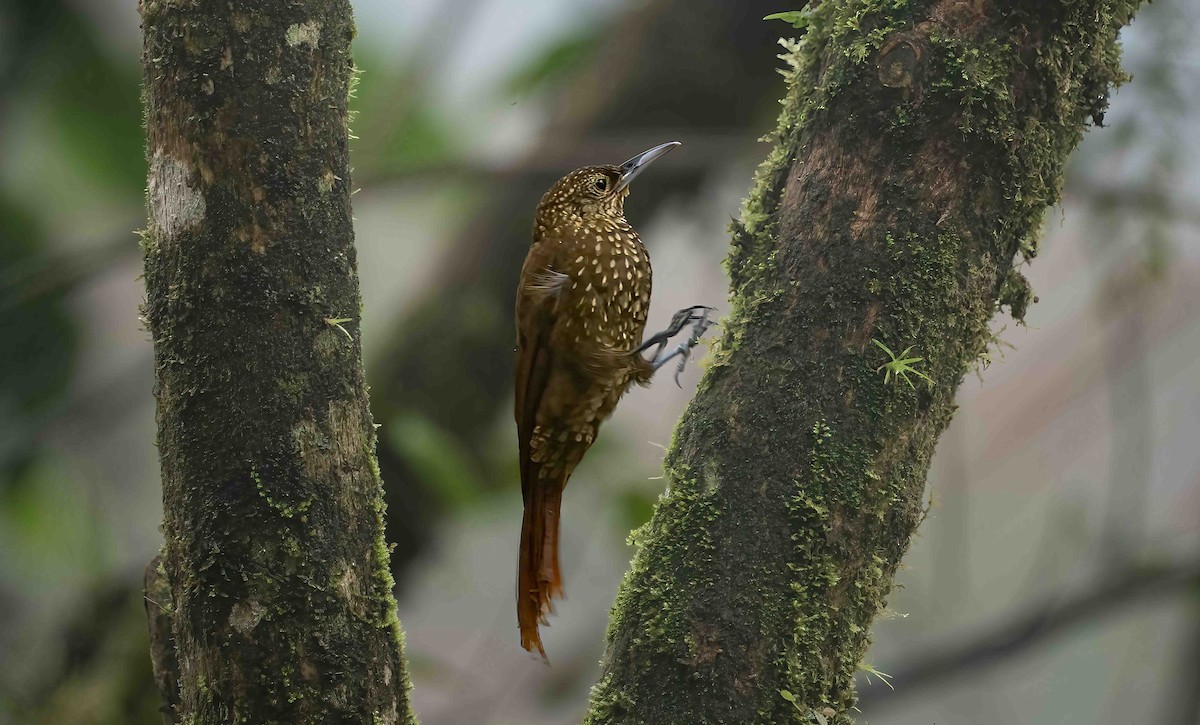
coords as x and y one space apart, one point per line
678 321
697 314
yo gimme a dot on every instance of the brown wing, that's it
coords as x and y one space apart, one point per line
538 295
538 579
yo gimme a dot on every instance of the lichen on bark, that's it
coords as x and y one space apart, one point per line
920 144
280 601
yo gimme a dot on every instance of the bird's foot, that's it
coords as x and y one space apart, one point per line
698 315
678 321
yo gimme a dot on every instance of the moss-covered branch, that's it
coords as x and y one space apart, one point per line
920 144
280 597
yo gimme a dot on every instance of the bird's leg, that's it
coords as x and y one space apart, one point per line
698 315
678 321
684 350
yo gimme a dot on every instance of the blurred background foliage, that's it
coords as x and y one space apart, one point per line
1056 580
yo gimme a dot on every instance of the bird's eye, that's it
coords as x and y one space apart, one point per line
601 184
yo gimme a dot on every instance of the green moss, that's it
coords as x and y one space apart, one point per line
295 385
1016 294
146 241
795 477
286 509
329 343
861 28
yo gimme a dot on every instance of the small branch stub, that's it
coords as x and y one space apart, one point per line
898 63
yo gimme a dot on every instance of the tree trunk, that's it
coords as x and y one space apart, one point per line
921 142
280 597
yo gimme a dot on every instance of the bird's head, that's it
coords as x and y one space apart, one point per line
594 191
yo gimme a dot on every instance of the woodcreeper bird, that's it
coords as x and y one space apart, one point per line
582 302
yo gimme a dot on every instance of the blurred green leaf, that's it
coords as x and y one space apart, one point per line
37 357
418 140
394 125
635 507
48 531
556 63
442 464
96 106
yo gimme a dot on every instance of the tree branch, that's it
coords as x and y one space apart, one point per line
919 147
281 598
938 665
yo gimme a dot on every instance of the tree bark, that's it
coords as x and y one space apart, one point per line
281 601
920 144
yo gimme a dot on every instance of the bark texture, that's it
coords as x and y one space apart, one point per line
280 596
156 595
920 144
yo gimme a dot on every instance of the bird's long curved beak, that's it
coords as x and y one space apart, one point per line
631 168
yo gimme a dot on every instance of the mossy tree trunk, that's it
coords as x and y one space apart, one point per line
921 142
280 598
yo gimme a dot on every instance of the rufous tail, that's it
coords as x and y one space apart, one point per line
539 580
